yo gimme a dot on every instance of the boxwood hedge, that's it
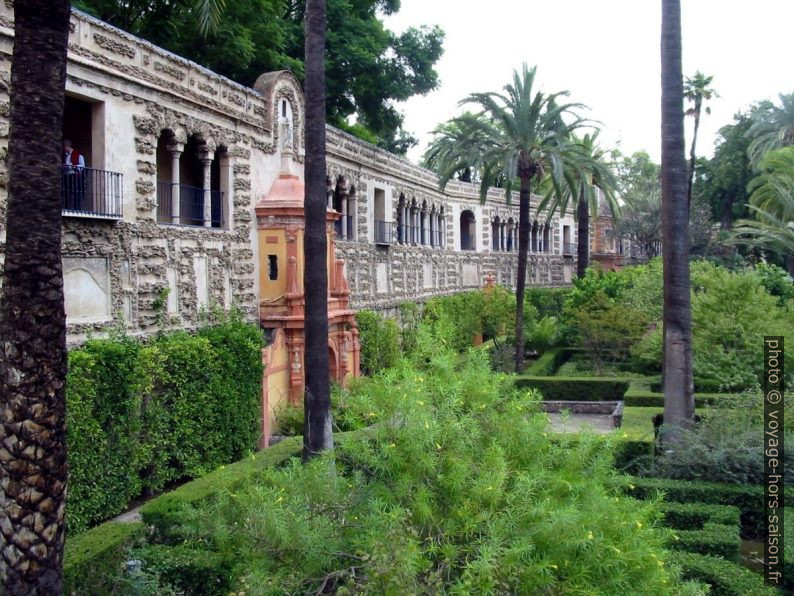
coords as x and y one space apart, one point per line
576 388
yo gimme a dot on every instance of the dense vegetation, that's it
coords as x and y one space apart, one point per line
451 486
141 415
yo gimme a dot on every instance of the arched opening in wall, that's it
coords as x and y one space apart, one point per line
286 127
534 237
424 218
442 229
220 185
495 233
191 181
567 247
166 152
512 244
383 228
340 202
333 365
468 231
546 238
351 210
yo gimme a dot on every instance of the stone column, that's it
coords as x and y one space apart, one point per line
176 151
432 226
206 163
344 216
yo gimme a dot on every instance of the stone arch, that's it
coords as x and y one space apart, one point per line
468 230
276 87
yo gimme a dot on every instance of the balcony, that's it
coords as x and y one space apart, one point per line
92 193
348 228
384 232
191 206
568 249
435 238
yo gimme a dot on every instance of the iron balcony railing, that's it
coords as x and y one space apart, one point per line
88 192
349 227
569 248
191 205
384 232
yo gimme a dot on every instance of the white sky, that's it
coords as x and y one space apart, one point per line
606 53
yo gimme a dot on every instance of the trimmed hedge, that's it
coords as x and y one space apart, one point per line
749 498
648 399
190 570
551 360
162 512
94 559
141 415
693 516
713 539
576 388
724 577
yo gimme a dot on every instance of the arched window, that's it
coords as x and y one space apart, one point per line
468 231
496 230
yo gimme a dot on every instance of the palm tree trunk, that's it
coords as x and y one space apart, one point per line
583 235
32 318
521 277
317 434
691 179
679 405
726 221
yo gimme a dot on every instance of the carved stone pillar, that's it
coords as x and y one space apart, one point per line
206 163
176 151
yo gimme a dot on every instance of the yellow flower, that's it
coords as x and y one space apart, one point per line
639 525
589 535
421 403
438 446
617 550
631 486
553 566
392 445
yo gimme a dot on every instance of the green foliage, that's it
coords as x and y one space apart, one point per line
725 577
693 516
575 389
595 282
713 539
542 334
777 282
368 67
548 364
410 317
607 329
93 560
548 302
380 343
648 399
454 489
188 570
142 415
725 446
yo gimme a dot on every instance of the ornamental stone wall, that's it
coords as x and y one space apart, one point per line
119 268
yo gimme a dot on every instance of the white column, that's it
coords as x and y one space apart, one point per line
344 216
206 163
176 152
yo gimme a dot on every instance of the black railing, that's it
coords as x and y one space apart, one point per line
92 193
348 219
467 242
191 205
569 248
384 232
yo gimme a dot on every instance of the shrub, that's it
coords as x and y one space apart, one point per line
93 560
542 334
648 399
724 577
777 281
188 570
549 362
380 343
607 330
410 316
575 388
454 489
141 415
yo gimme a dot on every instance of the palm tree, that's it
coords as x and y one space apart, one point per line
696 90
772 203
519 134
32 317
772 128
588 167
679 403
317 435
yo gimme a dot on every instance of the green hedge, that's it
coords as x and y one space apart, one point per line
550 361
162 512
648 399
143 414
749 498
713 539
94 560
189 570
576 388
693 516
724 577
380 342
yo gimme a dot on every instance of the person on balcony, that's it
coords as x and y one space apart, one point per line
73 177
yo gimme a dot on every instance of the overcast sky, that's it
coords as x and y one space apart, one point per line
606 53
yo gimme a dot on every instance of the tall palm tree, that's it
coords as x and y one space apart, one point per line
772 127
519 135
32 317
696 90
317 435
590 170
679 403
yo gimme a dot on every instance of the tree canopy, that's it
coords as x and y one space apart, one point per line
368 67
